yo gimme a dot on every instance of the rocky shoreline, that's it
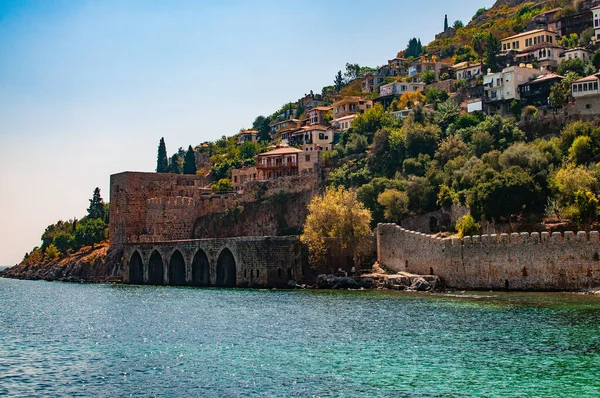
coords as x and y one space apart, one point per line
86 265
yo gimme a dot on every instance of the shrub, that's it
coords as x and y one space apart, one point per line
223 185
52 252
466 226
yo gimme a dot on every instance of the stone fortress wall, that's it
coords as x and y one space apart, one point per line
153 207
517 261
222 262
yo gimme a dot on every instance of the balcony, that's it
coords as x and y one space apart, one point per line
277 166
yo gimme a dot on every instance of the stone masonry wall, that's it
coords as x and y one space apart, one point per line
151 207
259 262
519 261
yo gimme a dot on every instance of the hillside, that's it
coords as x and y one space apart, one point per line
505 18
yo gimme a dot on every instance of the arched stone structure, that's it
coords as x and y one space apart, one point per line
226 262
156 269
177 269
136 269
200 269
226 269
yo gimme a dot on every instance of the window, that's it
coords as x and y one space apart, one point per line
588 106
308 158
574 88
235 179
595 85
326 137
321 135
257 273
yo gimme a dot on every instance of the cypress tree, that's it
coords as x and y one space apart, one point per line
189 161
446 22
162 163
174 166
96 209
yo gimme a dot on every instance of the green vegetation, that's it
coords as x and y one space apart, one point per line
222 186
65 237
162 163
467 226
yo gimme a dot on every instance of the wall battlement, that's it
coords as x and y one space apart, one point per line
171 202
523 261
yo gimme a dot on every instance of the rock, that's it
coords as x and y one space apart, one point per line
421 285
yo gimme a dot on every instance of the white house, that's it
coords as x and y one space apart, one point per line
577 52
586 94
596 12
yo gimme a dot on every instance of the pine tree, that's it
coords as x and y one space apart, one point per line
189 161
162 163
96 209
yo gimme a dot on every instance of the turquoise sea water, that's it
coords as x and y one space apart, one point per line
60 339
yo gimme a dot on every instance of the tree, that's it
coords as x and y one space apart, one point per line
492 48
506 194
581 150
96 209
586 207
479 44
162 163
175 164
458 24
368 123
407 100
428 76
414 48
336 220
189 162
575 65
586 37
445 23
352 71
434 95
89 232
395 204
338 82
261 124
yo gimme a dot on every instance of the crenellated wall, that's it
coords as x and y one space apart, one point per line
517 261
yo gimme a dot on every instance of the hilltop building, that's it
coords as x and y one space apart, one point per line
586 94
536 92
346 109
501 88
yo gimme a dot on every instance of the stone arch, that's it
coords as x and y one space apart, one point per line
177 269
200 269
136 269
226 269
156 269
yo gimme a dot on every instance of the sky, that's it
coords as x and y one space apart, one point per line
88 88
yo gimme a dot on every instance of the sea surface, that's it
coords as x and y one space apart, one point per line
61 339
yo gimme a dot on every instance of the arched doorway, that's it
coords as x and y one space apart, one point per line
200 269
155 269
177 269
226 270
136 269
